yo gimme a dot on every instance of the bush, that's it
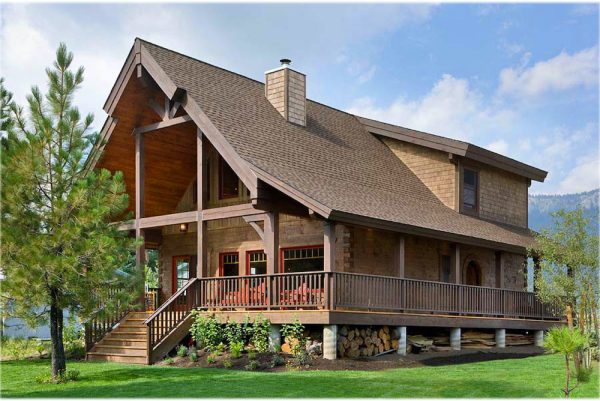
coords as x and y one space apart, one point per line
251 355
182 351
193 357
583 374
168 361
260 334
234 333
252 365
236 349
227 363
302 358
294 333
206 331
73 340
277 360
17 348
211 358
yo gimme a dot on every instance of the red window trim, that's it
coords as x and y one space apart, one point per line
221 195
281 250
248 252
221 254
174 270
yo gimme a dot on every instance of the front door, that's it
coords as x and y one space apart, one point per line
473 274
181 271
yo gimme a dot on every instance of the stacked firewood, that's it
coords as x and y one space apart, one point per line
354 342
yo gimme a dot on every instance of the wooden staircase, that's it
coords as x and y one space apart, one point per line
126 343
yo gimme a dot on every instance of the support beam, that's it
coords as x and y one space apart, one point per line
538 338
401 333
201 182
330 341
227 212
457 264
168 219
271 241
500 262
400 258
162 124
258 229
274 338
455 338
500 338
329 241
140 251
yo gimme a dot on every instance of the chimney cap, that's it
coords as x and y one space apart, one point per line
285 61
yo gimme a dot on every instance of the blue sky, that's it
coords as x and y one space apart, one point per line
518 79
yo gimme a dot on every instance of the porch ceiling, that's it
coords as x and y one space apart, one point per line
170 153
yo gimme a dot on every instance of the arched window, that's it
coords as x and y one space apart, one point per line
473 274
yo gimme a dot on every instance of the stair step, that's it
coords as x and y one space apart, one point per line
130 329
98 356
124 335
124 342
119 350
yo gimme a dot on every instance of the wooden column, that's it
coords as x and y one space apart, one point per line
139 195
456 260
500 259
201 182
400 257
271 242
329 241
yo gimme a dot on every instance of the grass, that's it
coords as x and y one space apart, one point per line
538 377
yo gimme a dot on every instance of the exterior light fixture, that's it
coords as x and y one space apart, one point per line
183 227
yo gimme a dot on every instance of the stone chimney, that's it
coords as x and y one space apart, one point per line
286 90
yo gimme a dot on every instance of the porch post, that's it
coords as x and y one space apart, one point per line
329 241
400 257
201 181
500 261
456 257
330 341
455 338
538 338
271 242
140 251
401 333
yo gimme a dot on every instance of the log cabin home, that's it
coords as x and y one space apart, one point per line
259 200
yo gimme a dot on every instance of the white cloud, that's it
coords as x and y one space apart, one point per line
584 176
451 108
499 146
367 75
565 71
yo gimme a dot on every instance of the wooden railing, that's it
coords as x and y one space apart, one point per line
102 323
348 291
368 292
151 299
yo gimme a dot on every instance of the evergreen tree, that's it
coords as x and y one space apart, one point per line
59 250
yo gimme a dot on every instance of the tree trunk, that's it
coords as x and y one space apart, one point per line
58 362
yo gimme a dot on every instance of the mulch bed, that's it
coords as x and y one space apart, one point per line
389 361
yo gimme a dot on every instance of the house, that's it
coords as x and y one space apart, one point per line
259 200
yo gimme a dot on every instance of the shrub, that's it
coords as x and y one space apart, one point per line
251 355
302 358
583 374
227 363
73 340
294 333
182 351
211 358
277 360
220 349
193 357
252 365
260 334
17 348
206 331
236 349
168 361
234 333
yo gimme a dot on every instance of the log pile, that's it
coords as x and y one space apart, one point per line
354 342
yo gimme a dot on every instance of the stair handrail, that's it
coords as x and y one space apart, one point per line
169 300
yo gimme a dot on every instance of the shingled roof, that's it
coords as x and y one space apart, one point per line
333 161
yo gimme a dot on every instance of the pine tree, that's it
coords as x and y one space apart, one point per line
59 249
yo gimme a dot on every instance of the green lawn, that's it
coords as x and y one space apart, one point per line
540 376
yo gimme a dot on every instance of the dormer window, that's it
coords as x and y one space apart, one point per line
470 191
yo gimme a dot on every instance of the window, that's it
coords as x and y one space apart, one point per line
256 263
229 264
445 268
303 259
470 191
181 271
228 181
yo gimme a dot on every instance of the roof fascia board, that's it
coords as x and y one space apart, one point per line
132 60
455 147
350 218
293 193
107 128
